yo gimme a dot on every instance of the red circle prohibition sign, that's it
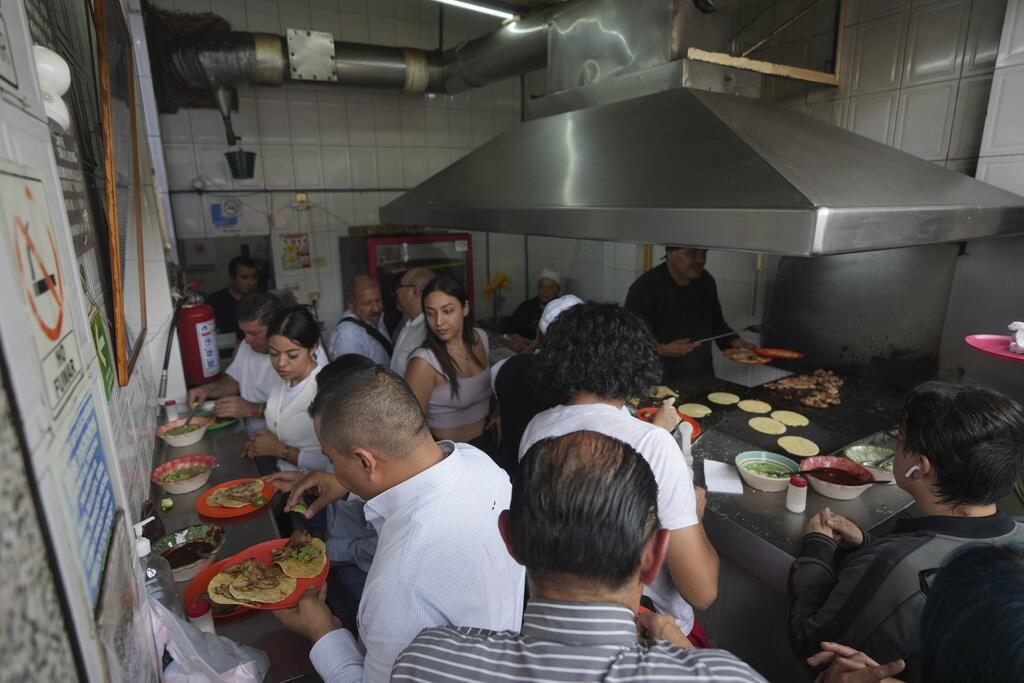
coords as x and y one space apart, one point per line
52 332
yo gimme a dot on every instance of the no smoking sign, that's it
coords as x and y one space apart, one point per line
34 250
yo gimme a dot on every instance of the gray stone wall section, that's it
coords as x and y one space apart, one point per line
34 644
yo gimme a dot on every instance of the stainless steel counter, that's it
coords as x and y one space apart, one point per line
288 652
754 529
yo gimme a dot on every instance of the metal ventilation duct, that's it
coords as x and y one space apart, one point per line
688 167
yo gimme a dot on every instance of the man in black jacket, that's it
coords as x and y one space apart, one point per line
960 449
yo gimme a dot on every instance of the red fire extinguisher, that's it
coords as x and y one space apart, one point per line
197 337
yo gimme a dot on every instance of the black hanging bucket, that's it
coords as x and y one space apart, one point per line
242 163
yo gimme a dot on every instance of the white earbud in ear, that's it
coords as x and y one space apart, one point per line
911 471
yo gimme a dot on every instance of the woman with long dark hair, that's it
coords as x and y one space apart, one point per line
449 373
293 336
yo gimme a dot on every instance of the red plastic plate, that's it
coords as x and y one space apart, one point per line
646 414
262 552
218 512
997 345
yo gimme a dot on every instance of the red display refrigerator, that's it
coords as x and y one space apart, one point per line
387 257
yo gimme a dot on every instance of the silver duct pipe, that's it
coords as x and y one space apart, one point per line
213 61
378 66
226 59
514 49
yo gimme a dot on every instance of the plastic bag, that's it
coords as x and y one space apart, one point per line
201 657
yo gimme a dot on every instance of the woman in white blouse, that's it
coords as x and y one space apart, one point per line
294 336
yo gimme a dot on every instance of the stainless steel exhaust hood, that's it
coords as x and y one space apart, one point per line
688 167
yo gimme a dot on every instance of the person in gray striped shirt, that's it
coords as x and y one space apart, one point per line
583 519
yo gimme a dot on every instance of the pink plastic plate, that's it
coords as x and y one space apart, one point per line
994 345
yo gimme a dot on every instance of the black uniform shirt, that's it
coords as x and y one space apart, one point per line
680 312
525 318
224 304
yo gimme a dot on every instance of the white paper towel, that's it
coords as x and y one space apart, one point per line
721 478
1017 337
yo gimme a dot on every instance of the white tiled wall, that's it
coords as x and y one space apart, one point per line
323 139
988 288
914 75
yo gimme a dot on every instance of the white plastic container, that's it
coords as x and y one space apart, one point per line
796 494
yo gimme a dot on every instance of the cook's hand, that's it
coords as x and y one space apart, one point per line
324 486
700 496
739 343
264 442
667 416
847 665
284 481
818 524
198 394
677 348
847 534
311 617
235 406
661 627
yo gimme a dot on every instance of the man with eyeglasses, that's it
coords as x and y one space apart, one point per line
959 450
412 330
679 300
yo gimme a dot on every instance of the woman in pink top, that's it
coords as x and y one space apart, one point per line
449 373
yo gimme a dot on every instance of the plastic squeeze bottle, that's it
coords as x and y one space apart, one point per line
157 571
796 494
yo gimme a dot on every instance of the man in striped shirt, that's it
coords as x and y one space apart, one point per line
583 519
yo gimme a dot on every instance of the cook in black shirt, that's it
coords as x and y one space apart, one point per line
524 321
244 280
679 300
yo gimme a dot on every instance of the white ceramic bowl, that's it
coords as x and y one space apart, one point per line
184 485
177 441
759 481
836 491
863 454
206 533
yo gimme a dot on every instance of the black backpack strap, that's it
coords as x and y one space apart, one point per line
373 332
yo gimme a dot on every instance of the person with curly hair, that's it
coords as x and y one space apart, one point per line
599 354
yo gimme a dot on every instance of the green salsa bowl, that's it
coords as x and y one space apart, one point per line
765 471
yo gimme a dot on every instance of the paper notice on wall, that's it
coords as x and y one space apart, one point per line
88 494
295 252
26 219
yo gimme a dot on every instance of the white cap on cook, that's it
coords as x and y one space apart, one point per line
551 275
555 308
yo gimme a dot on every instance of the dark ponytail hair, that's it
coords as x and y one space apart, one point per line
298 324
453 288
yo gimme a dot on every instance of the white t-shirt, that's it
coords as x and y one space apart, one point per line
256 378
677 507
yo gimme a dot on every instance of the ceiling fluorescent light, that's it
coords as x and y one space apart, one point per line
483 9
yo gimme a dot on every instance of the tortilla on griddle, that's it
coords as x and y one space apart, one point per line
295 566
238 495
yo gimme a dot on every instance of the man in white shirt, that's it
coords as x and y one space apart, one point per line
440 560
413 331
361 328
600 354
243 389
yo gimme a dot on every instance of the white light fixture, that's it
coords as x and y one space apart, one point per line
483 9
